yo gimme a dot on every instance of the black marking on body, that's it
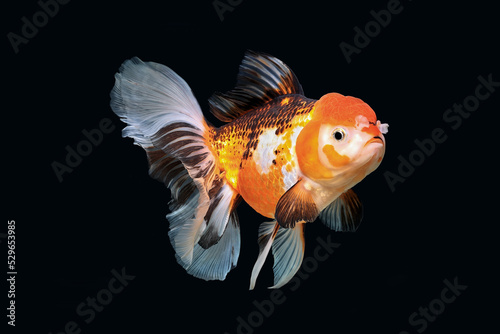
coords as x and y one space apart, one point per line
274 114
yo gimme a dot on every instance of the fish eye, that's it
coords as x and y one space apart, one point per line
339 134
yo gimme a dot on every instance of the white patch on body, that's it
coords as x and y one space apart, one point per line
290 178
294 136
264 154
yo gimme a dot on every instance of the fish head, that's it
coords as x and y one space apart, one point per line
343 142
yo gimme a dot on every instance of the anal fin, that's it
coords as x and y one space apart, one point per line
287 246
288 251
267 233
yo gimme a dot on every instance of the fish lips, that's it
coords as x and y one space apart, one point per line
375 140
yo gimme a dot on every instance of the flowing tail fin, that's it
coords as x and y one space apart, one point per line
287 245
164 118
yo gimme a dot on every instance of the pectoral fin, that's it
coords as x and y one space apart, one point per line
296 205
344 214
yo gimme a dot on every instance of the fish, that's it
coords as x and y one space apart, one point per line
293 159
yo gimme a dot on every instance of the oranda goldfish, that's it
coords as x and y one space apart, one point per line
291 158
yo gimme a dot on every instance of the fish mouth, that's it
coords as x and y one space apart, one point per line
375 139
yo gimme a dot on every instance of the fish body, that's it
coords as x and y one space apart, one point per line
291 158
257 150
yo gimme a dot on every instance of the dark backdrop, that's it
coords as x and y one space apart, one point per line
107 216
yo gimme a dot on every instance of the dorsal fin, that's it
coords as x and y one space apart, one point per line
261 78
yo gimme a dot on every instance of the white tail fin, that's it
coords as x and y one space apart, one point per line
215 262
165 119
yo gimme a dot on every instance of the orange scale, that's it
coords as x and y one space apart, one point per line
260 191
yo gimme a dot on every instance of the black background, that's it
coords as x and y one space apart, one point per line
109 214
